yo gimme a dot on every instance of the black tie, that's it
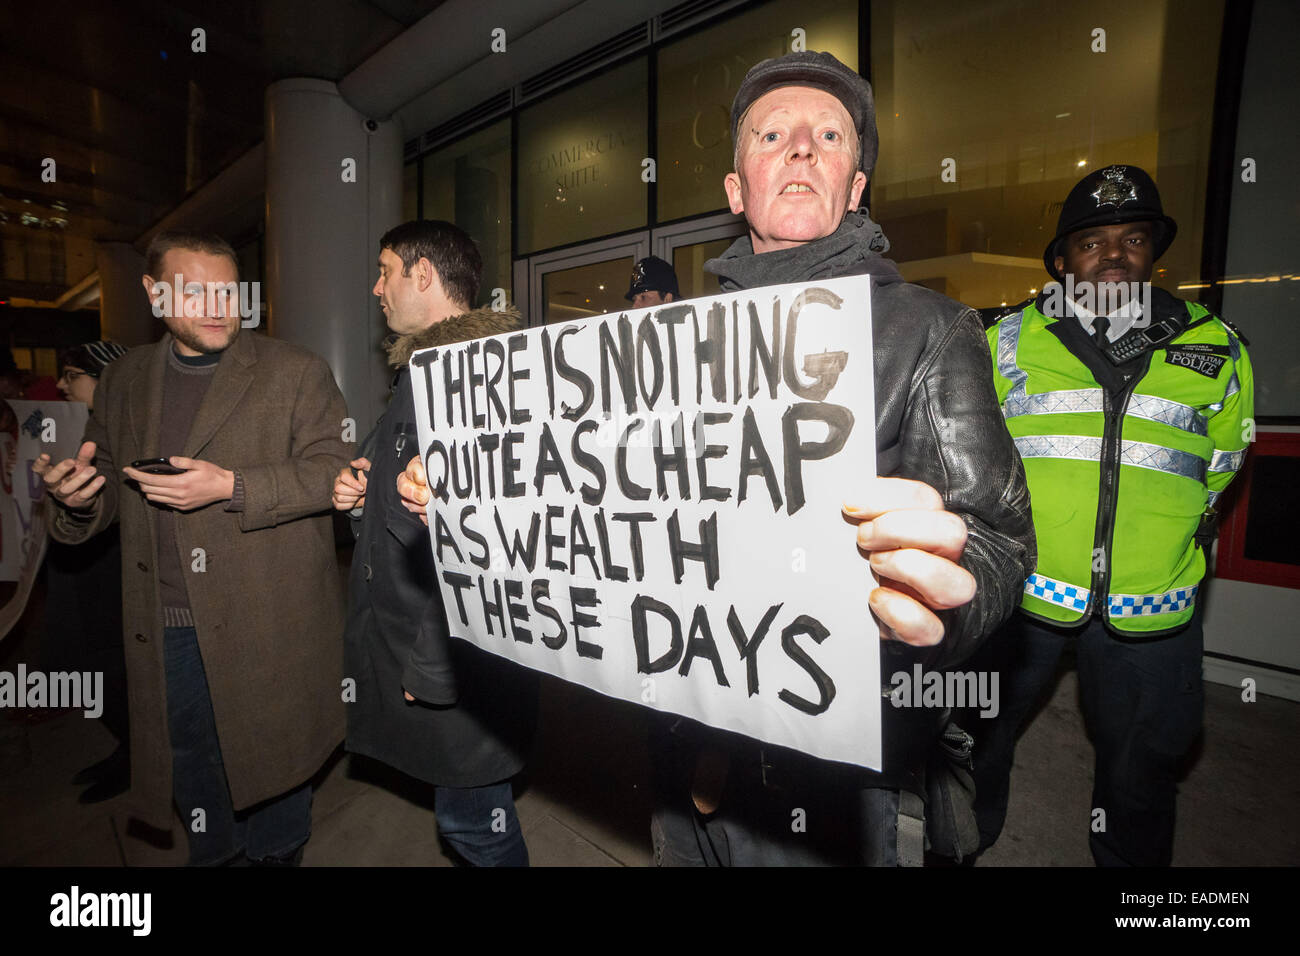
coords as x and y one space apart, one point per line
1099 328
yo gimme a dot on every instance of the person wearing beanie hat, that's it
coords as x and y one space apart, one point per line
945 523
1128 406
82 366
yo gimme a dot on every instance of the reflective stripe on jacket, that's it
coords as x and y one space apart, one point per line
1178 436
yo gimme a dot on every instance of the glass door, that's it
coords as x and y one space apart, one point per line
688 245
592 279
585 280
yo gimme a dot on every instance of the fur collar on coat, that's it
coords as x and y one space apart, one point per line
474 324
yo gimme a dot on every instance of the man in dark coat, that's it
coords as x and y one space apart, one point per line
231 602
439 710
945 524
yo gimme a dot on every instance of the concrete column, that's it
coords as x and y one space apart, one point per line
124 312
333 187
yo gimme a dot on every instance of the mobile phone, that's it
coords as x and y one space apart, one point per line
1133 343
157 466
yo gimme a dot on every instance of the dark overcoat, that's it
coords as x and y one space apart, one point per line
266 596
473 721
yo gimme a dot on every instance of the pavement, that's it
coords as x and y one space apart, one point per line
585 800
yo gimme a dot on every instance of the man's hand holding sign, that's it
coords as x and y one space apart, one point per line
912 542
625 498
914 546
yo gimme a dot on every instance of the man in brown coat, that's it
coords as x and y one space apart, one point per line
232 609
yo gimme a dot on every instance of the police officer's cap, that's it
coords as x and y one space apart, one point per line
1109 197
653 274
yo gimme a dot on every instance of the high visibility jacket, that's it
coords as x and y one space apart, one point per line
1120 476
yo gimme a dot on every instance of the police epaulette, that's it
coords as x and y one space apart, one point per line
991 317
1234 330
1210 316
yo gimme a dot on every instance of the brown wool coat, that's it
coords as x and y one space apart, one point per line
268 606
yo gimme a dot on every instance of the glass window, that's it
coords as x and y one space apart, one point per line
1261 291
688 264
1019 103
579 164
699 77
468 183
584 291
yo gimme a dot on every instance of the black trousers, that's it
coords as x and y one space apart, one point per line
777 808
1142 702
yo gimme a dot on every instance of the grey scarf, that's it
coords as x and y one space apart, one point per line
852 249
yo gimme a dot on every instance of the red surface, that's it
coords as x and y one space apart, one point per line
1231 561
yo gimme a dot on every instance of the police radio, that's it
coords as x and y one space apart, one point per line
1137 341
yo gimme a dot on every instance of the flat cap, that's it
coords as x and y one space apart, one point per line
821 71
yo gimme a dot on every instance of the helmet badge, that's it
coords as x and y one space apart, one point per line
1116 189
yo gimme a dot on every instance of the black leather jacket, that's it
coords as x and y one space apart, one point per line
937 421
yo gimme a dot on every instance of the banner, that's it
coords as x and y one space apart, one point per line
648 504
26 430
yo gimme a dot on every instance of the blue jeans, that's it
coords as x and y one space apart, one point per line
273 828
481 825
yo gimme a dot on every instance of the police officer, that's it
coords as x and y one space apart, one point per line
1129 408
653 283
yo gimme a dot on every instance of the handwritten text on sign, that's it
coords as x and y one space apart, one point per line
648 504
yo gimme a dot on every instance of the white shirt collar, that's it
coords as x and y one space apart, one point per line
1121 320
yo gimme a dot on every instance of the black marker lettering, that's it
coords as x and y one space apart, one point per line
623 358
839 423
442 536
519 552
518 612
755 459
584 459
704 451
578 598
825 367
459 582
641 638
803 624
516 343
672 460
749 648
705 550
542 589
700 643
482 560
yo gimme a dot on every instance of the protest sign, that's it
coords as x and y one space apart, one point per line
26 430
648 504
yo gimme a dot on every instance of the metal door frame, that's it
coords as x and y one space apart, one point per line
725 225
530 272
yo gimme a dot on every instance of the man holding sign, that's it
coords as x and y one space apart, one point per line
651 481
948 532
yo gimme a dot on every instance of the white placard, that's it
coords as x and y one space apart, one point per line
648 504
